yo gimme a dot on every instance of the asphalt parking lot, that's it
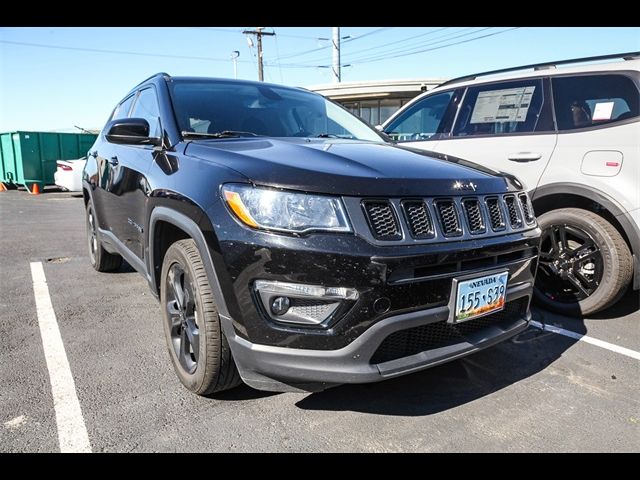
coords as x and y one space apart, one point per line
541 391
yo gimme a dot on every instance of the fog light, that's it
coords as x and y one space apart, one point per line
298 303
280 305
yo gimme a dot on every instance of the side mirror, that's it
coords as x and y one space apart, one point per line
130 131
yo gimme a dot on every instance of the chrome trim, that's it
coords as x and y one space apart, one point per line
301 290
267 290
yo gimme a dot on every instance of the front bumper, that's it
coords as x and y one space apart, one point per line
415 282
272 368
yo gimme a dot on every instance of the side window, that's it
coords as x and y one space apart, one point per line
500 108
592 100
147 107
122 111
424 120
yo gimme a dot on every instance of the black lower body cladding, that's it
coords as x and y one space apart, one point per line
398 288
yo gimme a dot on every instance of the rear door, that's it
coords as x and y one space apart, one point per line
598 119
507 126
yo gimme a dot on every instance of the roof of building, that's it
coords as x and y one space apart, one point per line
375 88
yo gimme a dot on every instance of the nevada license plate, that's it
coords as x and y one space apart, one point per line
480 296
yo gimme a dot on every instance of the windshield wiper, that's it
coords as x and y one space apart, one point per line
222 134
327 135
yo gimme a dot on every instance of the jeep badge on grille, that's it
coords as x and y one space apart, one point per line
464 186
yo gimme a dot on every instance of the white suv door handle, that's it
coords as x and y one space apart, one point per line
524 156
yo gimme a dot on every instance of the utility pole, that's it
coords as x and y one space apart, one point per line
336 55
234 56
259 33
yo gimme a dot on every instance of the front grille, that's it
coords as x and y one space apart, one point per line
418 219
512 209
382 220
527 208
473 213
448 218
423 220
495 214
411 341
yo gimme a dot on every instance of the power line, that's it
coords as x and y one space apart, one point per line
402 49
384 50
278 54
233 30
373 32
294 65
118 52
351 39
217 29
431 32
434 41
441 46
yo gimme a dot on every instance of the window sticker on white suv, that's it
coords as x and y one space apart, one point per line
507 105
603 111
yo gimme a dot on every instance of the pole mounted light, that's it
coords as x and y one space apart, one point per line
234 56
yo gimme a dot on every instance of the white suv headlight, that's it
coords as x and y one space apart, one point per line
284 211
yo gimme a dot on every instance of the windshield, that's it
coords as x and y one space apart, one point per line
215 106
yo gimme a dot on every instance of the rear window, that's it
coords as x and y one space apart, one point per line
592 100
501 108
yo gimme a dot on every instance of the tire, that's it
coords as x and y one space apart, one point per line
594 256
189 310
100 259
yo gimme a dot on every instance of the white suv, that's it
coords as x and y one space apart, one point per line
572 136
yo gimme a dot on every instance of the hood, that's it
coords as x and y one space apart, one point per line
347 167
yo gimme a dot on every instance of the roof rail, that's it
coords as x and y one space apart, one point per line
152 76
545 65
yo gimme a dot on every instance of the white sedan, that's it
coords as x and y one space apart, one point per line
68 175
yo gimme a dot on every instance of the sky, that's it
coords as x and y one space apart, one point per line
52 79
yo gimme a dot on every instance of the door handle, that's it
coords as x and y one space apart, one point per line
113 161
94 154
524 156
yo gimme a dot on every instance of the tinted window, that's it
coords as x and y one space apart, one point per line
499 108
122 110
591 100
423 120
146 107
215 106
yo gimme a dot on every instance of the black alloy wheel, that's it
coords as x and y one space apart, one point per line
182 315
198 348
585 264
92 235
100 259
570 265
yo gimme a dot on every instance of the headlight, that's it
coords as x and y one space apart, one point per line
285 211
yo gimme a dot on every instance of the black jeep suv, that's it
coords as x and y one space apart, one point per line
292 248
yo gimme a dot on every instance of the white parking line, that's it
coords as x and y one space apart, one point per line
584 338
72 433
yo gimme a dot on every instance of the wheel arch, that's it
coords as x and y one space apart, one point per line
572 195
166 226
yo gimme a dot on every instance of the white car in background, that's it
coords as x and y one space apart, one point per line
572 137
68 174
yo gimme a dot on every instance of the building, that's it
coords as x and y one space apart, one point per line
375 101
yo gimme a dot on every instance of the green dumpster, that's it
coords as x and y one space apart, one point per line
29 158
